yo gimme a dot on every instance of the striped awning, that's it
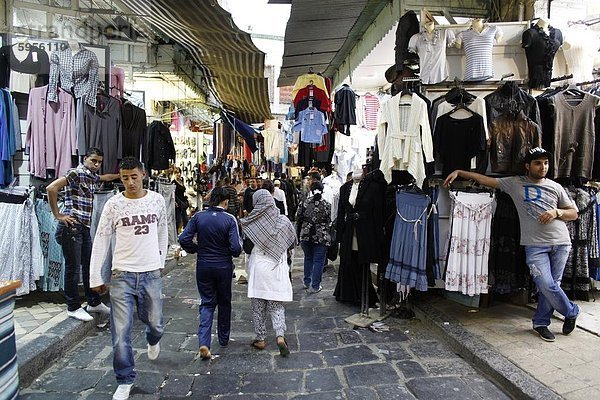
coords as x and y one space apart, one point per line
227 55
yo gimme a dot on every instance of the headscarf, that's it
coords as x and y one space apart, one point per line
271 232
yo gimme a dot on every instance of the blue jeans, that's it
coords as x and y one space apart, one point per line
126 290
214 286
314 261
546 265
77 250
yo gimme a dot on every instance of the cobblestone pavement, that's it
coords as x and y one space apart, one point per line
329 359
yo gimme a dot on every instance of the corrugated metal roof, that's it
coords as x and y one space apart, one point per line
227 55
320 34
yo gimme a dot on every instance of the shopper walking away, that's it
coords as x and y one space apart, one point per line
137 219
279 196
272 236
218 241
543 207
73 230
313 221
181 201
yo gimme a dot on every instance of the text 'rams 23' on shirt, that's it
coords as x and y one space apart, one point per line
140 230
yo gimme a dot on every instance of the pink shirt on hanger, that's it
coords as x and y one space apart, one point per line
51 143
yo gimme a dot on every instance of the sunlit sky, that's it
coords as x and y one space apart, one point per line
257 16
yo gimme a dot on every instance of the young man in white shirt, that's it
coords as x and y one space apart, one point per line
137 220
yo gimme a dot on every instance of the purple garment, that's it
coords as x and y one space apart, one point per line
51 138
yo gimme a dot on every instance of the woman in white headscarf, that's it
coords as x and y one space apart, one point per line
271 235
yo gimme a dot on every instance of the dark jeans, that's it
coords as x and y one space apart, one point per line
181 217
314 261
214 286
77 249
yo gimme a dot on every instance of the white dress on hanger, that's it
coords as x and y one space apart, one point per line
469 247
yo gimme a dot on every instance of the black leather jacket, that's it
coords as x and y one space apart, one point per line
509 98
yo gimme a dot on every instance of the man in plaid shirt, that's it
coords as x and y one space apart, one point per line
73 231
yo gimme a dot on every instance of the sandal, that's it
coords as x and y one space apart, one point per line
259 344
284 351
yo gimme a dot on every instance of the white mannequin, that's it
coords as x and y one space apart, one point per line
357 175
477 24
74 46
20 49
429 28
428 22
543 24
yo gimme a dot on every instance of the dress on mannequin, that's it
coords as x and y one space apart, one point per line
23 67
360 234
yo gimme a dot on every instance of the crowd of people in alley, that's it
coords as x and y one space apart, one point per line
267 220
264 218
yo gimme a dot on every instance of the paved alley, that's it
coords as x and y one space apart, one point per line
329 359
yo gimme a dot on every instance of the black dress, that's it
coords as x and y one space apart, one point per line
366 218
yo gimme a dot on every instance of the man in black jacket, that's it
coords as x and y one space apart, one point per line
248 195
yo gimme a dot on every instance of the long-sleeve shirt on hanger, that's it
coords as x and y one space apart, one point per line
457 141
345 108
273 143
371 110
117 81
477 106
74 72
134 130
407 138
309 79
102 128
51 137
311 124
160 146
317 93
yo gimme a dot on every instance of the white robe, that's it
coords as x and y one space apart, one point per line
267 278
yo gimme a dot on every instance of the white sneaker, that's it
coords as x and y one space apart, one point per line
122 392
100 308
153 351
80 314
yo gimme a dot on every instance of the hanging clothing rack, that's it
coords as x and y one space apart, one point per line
588 82
561 78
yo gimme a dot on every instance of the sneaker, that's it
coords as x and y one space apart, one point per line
100 308
305 286
204 353
569 325
312 290
545 333
80 314
122 392
153 351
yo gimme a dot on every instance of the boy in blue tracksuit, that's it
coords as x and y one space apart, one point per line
217 242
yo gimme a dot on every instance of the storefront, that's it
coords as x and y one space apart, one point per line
429 75
123 79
